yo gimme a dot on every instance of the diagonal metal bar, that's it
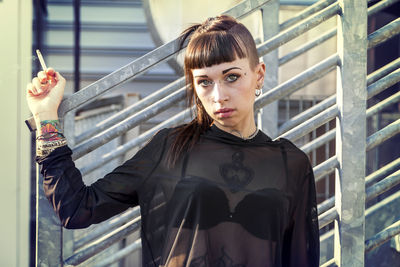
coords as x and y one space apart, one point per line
331 262
382 186
246 7
294 31
104 242
118 221
382 236
388 31
126 125
369 181
318 6
304 48
297 82
383 134
325 168
393 99
319 141
327 217
121 150
136 107
120 254
385 170
312 123
327 207
380 6
309 113
382 72
383 83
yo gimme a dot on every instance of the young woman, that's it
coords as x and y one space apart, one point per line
213 192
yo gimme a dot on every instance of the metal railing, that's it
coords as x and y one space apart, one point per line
335 106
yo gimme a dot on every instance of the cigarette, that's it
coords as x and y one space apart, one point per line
41 60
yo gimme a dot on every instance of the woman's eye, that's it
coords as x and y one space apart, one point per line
204 83
232 77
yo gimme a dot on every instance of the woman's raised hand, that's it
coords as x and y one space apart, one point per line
44 95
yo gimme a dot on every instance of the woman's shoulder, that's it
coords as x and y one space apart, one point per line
296 157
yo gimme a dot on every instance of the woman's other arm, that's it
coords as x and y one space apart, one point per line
76 204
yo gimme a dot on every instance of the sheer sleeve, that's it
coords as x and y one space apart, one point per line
302 240
78 205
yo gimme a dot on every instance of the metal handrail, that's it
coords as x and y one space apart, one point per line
380 6
142 138
120 254
295 83
294 31
127 124
319 141
383 134
371 192
383 83
307 114
116 222
304 48
136 107
383 34
311 124
369 181
383 104
325 168
382 186
385 170
383 71
327 217
113 237
307 12
382 236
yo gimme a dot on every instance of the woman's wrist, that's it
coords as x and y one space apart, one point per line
44 116
49 130
49 137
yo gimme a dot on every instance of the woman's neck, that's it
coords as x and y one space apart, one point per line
244 132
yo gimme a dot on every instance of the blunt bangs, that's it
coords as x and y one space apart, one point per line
213 48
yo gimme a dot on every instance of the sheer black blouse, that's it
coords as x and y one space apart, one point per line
229 202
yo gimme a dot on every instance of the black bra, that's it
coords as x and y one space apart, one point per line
203 204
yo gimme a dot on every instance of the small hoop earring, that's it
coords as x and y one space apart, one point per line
258 92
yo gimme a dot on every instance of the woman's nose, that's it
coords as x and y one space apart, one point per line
219 94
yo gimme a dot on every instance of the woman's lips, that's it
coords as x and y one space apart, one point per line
224 112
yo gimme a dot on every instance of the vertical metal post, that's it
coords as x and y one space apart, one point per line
268 116
351 133
48 230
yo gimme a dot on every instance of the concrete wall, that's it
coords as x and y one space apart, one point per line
15 72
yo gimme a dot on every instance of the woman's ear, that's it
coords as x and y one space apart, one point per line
260 72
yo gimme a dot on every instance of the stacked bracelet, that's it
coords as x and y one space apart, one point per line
50 136
44 148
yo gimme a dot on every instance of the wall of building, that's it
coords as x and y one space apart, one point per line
15 73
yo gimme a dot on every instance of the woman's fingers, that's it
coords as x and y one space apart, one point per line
31 90
40 87
42 77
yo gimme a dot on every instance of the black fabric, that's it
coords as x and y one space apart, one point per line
229 202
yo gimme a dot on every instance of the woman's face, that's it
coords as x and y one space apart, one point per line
227 92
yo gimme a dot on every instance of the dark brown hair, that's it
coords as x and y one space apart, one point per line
217 40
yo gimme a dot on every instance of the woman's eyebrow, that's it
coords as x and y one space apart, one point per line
201 76
225 71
